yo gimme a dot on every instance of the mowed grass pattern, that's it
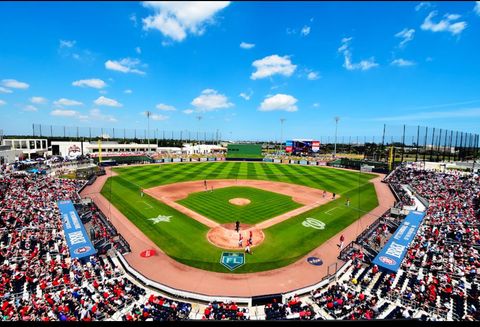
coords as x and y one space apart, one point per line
263 205
184 239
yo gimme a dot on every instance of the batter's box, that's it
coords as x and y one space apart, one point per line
232 260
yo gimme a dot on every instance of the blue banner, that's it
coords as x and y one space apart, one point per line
289 143
392 254
78 242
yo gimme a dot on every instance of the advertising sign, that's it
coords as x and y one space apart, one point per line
77 239
392 254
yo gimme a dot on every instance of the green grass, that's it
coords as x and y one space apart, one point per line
184 239
263 205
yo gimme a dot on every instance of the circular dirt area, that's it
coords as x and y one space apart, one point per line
226 237
239 201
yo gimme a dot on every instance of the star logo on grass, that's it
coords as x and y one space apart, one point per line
160 219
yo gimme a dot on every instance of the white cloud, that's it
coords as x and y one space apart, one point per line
38 100
125 65
30 108
245 45
138 50
128 91
188 111
93 82
279 102
156 116
273 65
165 107
402 62
444 25
211 100
305 30
407 35
67 102
67 44
133 18
246 96
2 103
423 5
178 18
313 76
363 65
97 115
477 7
64 113
5 90
316 105
103 101
14 84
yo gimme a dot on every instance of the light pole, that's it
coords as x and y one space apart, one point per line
199 118
148 114
336 128
281 131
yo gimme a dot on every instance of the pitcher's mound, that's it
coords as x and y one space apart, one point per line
225 236
239 201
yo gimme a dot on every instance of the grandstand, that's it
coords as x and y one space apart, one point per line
436 276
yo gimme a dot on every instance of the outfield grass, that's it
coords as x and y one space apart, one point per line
263 205
184 239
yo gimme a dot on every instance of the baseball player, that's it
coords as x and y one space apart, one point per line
240 241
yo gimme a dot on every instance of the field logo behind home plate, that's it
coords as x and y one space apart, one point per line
314 223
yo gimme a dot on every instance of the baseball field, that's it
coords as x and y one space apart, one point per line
185 239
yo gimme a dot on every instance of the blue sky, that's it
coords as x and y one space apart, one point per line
241 66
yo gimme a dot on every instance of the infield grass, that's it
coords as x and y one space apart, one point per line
263 204
184 239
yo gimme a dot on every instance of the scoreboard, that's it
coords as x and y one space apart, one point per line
297 146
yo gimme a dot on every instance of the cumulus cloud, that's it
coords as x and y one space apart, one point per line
210 100
67 44
67 102
446 24
188 111
30 108
178 18
246 96
138 50
128 91
38 100
93 82
363 65
305 30
125 65
104 101
402 62
273 65
2 103
477 8
165 107
97 115
14 84
423 5
279 101
64 113
313 76
5 90
245 45
156 116
407 35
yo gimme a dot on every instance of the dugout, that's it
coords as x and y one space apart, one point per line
244 152
265 299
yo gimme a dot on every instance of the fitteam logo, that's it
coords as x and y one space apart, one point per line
81 250
387 260
314 223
